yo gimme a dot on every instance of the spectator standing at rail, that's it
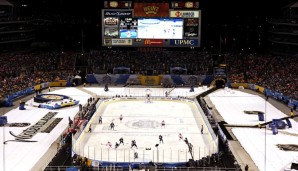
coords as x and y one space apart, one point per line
70 122
246 167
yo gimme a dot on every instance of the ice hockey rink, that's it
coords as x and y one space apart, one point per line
16 156
142 122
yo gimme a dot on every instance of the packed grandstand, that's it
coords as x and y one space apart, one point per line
83 87
21 71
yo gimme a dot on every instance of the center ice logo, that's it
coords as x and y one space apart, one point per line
143 124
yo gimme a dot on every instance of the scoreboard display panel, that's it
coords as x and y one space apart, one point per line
128 28
166 28
179 29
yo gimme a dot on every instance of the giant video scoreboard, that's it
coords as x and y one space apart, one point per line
151 25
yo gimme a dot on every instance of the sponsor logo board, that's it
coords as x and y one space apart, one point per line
152 42
111 21
121 14
184 14
184 42
121 41
108 42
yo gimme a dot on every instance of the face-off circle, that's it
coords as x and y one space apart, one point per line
143 124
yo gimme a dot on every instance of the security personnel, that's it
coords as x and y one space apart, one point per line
292 113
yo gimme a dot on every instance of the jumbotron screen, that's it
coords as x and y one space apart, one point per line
122 28
167 28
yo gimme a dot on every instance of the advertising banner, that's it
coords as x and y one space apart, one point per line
111 21
117 13
117 4
108 42
121 41
153 42
150 80
111 32
220 72
151 9
184 14
184 42
190 31
187 4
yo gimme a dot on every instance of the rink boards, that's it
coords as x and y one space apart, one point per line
142 122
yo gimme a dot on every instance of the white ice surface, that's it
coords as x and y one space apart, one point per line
142 122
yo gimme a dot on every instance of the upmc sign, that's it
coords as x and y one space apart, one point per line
184 42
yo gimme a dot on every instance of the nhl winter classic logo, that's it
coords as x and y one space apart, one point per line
143 124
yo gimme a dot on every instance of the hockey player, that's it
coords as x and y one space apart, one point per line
190 146
134 144
109 144
112 126
100 120
160 139
163 124
136 155
116 145
202 129
121 117
121 141
186 140
180 136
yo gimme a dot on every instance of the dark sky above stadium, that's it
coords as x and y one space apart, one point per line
213 10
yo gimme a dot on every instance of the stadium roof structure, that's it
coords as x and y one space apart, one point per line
291 5
5 3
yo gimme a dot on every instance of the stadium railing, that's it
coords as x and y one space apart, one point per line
267 92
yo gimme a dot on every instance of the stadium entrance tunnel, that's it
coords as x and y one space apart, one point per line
218 83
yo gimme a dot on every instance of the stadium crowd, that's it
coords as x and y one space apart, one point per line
277 73
20 71
160 61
